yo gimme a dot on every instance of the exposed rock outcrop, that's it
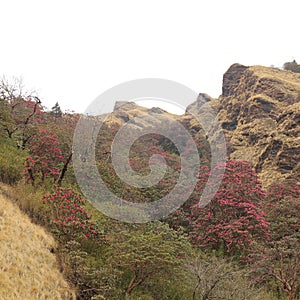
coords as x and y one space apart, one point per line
260 114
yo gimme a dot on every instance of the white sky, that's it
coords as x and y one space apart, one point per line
72 51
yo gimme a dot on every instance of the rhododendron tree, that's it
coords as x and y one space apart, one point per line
69 216
234 218
45 159
64 127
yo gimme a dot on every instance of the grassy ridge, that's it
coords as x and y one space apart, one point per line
28 269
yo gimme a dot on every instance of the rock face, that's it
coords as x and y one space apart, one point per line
260 114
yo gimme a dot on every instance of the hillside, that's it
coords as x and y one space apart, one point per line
102 257
28 270
259 111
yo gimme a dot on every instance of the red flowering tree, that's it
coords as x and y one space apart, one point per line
278 260
70 219
234 218
45 159
64 127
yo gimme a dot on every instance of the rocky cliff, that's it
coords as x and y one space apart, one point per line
259 110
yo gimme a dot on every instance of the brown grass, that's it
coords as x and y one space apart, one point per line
290 79
28 270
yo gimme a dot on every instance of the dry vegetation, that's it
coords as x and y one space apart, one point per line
259 112
28 270
290 79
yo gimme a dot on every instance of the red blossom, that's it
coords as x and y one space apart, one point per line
70 216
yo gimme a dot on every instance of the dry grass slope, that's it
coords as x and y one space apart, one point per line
28 270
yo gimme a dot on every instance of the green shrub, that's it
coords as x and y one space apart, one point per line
11 163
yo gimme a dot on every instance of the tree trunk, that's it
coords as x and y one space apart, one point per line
130 287
196 287
64 170
30 173
133 284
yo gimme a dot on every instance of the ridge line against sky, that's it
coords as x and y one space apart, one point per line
72 51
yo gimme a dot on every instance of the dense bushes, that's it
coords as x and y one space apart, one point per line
70 219
11 163
277 262
234 219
